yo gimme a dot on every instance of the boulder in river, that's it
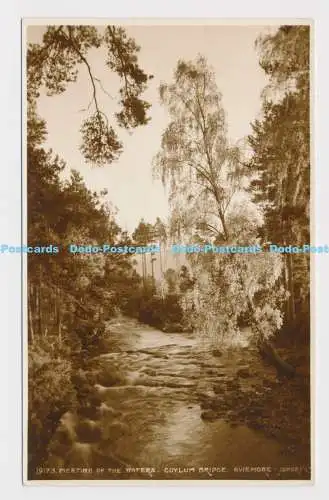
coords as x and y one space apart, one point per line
218 389
256 424
243 373
209 415
233 385
113 430
217 353
150 372
108 376
108 411
206 404
88 431
256 410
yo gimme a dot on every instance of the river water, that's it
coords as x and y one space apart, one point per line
149 425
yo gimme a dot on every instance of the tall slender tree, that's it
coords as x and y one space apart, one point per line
196 160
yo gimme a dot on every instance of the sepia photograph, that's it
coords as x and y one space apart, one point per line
167 185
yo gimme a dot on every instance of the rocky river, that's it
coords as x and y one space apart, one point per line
172 407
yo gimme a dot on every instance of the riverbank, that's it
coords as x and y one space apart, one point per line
254 396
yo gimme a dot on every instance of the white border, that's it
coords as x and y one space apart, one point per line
10 414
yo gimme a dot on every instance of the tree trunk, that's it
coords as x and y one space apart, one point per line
59 316
222 219
268 352
37 309
161 272
30 316
291 298
145 264
144 269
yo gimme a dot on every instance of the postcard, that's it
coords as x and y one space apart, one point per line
167 250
